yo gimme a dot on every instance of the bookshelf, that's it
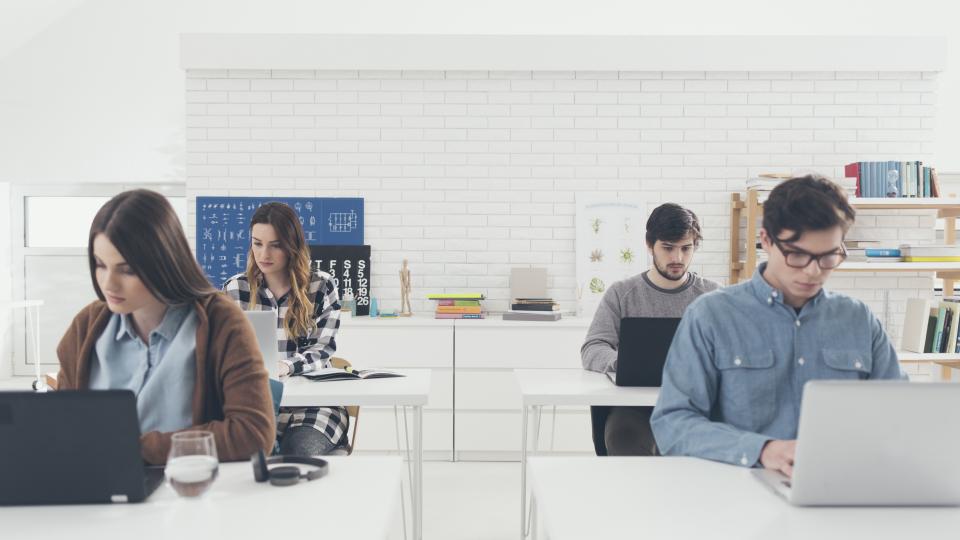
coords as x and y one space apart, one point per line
750 207
947 361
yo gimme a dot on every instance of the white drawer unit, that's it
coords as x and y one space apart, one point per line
395 344
474 408
487 398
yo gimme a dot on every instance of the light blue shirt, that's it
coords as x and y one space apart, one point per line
161 374
735 372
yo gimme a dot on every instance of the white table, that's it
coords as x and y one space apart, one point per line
409 391
359 498
686 498
22 384
539 387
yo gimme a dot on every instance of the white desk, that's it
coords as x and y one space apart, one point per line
21 384
359 498
686 498
539 387
410 391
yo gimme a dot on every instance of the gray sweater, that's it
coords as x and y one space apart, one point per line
634 297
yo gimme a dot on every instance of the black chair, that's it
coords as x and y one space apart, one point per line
598 420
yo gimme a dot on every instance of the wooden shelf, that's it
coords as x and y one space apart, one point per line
750 207
858 266
922 203
915 357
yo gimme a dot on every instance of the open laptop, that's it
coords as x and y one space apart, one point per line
874 443
644 343
265 327
72 447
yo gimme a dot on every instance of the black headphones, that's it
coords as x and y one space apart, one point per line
286 476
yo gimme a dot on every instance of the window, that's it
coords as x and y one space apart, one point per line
61 222
50 229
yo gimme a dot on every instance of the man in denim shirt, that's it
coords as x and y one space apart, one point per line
734 377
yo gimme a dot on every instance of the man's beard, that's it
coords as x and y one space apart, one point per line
667 275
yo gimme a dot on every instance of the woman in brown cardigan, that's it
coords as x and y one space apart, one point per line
161 330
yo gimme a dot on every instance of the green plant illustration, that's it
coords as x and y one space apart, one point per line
596 256
595 225
626 255
597 286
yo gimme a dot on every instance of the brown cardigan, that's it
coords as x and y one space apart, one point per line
231 396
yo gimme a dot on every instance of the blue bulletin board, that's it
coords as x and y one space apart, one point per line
223 228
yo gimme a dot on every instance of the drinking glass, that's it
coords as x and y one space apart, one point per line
192 465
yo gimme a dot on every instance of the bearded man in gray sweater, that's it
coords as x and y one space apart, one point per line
665 290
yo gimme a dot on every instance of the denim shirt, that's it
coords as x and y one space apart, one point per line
160 373
735 372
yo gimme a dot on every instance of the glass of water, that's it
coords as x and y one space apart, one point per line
192 465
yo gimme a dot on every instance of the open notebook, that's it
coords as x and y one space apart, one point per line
338 374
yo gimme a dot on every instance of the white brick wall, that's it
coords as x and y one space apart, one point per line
467 173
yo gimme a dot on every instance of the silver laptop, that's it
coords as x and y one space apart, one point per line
265 326
874 443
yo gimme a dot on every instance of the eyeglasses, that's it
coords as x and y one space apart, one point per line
800 259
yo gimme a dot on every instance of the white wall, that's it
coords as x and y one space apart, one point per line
6 316
469 173
95 93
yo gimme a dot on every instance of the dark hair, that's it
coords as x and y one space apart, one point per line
806 203
299 320
671 222
144 228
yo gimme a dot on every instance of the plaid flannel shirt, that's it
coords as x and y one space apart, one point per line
303 354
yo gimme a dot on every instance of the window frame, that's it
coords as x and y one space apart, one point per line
19 193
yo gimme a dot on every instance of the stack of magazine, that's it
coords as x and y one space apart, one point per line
533 309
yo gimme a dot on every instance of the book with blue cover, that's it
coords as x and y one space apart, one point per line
882 252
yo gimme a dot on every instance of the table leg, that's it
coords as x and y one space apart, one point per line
418 472
533 518
523 472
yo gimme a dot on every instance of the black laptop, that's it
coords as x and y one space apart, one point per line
72 447
644 343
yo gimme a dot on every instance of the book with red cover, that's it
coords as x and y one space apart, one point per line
853 171
458 309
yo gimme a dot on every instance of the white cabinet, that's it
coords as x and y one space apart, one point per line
474 407
415 342
487 398
495 343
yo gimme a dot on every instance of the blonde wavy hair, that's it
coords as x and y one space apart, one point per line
299 320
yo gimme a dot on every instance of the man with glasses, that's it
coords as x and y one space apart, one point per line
734 377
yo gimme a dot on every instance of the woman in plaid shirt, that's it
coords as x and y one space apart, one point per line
278 278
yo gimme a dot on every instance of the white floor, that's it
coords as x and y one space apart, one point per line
471 500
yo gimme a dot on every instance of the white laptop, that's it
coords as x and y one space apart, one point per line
874 443
265 326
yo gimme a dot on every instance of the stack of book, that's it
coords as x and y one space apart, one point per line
931 327
764 183
459 306
857 249
533 309
930 253
894 179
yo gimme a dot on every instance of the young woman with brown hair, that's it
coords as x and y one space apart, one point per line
307 305
161 330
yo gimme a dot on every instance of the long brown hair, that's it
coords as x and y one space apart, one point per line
144 228
299 319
